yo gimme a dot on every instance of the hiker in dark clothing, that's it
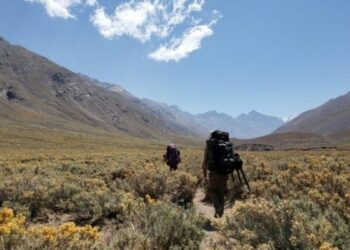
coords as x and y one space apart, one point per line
221 161
172 157
217 181
217 185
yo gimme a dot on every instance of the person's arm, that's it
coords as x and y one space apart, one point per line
205 163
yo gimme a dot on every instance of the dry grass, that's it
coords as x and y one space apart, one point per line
299 201
127 195
122 196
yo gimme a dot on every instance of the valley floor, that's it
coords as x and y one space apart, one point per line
107 196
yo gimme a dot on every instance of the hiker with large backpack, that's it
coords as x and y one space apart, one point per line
221 162
172 157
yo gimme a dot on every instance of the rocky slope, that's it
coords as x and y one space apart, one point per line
328 118
36 91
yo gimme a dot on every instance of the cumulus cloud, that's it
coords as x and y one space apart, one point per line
144 19
180 48
138 20
62 8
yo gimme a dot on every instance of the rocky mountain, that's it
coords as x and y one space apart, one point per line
37 92
328 118
172 113
112 87
169 113
249 125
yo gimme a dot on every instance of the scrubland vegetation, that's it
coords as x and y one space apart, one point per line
299 201
128 199
98 200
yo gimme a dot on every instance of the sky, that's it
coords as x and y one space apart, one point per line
280 58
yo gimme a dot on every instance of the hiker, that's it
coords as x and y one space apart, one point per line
217 154
172 156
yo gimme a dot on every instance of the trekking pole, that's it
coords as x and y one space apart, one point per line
245 179
239 178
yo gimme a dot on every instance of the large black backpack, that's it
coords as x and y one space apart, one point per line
220 156
172 155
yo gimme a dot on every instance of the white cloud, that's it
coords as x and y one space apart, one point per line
62 8
196 6
91 2
180 48
181 10
138 20
144 19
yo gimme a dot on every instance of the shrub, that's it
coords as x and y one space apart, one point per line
14 234
159 225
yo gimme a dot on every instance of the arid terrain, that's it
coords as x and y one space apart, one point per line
81 167
118 194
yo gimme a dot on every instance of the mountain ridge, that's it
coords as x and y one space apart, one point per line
38 93
34 84
60 98
253 124
332 116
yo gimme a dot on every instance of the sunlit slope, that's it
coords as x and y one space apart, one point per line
36 91
328 118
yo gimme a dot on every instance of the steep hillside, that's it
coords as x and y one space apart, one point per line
328 118
36 91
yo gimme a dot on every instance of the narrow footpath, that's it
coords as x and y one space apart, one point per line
207 211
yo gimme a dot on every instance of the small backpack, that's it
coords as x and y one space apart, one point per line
220 156
172 155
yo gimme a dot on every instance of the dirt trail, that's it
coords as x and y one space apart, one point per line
207 211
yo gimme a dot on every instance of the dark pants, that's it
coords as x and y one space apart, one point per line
173 167
217 187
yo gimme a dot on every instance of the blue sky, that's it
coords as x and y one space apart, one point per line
277 57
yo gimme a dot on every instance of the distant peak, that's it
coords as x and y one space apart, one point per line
212 112
242 115
216 113
251 113
254 112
